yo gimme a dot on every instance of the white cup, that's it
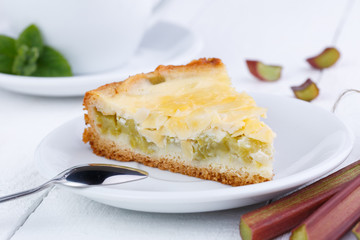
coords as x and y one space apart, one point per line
93 35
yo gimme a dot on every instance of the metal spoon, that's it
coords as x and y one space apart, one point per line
87 175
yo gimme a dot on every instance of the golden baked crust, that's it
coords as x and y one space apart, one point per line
105 147
110 89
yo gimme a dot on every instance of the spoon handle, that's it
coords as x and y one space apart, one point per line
25 193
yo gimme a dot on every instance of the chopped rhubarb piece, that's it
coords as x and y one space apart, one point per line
264 72
307 91
157 79
334 218
283 215
356 230
326 59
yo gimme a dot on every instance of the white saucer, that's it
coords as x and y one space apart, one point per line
310 142
164 43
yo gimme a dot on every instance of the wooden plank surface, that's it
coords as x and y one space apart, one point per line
277 32
64 215
25 121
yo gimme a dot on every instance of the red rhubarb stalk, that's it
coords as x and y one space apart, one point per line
334 218
283 215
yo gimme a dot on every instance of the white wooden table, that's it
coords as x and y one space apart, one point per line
277 32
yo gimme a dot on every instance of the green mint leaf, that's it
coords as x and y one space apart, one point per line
28 56
52 64
7 53
25 60
30 37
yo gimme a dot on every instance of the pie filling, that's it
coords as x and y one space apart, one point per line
237 152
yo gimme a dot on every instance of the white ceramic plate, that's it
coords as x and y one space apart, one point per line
163 43
310 142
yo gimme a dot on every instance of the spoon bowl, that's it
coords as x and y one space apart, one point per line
99 174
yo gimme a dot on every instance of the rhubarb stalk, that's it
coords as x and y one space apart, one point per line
334 218
283 215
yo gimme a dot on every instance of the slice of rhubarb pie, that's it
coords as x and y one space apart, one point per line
186 119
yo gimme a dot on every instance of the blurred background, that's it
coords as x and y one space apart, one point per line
276 32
